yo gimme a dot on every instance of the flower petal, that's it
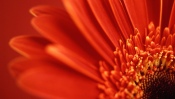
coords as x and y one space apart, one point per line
54 29
75 61
61 31
45 10
48 25
154 12
172 17
137 11
30 46
167 9
107 22
18 66
88 25
121 17
50 80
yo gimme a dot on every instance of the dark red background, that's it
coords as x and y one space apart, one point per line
14 20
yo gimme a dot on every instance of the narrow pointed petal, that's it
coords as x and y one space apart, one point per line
121 17
52 81
75 61
45 10
137 11
89 27
172 17
166 12
55 29
30 46
107 22
51 28
154 11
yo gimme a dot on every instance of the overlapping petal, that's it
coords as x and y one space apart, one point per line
46 10
30 46
154 12
51 80
85 20
166 12
105 17
75 61
122 17
172 18
137 11
64 63
54 26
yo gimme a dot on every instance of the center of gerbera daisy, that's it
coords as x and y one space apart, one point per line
160 85
144 68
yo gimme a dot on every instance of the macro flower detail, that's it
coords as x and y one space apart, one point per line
142 70
105 49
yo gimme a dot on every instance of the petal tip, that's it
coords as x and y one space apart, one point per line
37 10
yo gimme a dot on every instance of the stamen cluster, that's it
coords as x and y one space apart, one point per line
135 59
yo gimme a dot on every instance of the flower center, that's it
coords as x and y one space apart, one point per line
160 85
144 67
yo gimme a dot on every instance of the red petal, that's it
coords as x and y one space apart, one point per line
54 29
137 11
30 46
49 80
122 17
61 31
45 10
79 62
172 17
84 19
18 66
166 12
154 11
104 16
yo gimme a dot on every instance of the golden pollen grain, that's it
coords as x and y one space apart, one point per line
144 67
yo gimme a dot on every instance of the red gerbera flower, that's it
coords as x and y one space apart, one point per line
106 49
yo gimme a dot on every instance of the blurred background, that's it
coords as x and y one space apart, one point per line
14 20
